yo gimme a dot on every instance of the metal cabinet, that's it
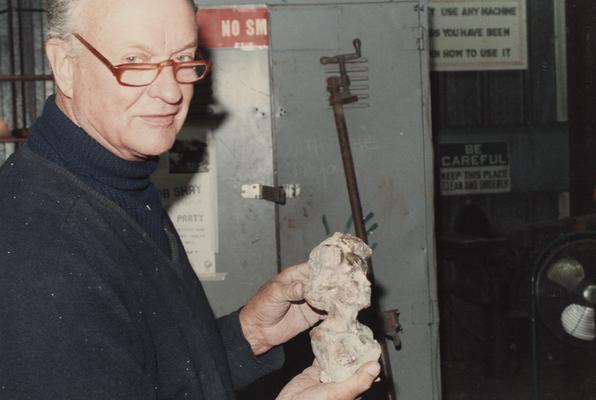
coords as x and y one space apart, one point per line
280 130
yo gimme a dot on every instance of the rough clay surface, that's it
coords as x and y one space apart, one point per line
338 285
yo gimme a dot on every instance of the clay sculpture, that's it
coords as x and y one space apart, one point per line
338 285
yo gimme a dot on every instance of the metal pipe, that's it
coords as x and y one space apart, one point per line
23 9
24 97
13 86
337 101
346 156
19 78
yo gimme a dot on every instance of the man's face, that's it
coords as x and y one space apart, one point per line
354 287
133 122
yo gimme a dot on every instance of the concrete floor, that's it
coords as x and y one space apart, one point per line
474 369
560 380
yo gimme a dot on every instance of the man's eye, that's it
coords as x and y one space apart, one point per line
185 58
133 59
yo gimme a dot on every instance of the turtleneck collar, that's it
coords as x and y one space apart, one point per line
58 139
73 148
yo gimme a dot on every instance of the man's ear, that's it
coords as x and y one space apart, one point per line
61 61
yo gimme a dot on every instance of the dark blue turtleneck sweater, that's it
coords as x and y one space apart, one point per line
55 137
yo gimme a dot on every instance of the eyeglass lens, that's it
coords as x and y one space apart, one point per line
140 77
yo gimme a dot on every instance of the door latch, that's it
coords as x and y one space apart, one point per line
276 194
392 327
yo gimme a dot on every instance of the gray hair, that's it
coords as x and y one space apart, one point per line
62 17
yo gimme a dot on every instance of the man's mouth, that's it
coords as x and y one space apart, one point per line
159 119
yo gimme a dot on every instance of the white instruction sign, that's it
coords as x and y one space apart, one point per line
474 168
477 35
187 183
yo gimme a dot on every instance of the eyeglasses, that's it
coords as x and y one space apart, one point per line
143 74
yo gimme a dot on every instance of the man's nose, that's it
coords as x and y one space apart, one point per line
166 87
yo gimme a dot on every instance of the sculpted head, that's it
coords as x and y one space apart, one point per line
338 274
131 122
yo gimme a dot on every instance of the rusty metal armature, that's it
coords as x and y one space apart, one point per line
339 95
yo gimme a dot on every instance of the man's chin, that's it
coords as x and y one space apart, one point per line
146 152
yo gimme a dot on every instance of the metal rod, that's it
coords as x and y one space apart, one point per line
24 97
19 78
535 376
13 86
23 9
348 161
337 102
12 140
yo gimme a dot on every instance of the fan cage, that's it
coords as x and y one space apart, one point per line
550 299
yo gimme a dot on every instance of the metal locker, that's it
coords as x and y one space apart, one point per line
391 144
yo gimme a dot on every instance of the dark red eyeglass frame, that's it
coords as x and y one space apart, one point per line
118 70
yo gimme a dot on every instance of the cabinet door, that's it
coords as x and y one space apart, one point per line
391 145
245 240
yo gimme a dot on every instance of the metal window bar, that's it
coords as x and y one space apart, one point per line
25 75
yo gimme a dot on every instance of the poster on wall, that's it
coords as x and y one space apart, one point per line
187 177
474 168
477 35
187 183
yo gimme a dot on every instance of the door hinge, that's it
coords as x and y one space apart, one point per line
392 327
420 38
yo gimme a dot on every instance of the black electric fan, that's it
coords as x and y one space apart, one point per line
564 294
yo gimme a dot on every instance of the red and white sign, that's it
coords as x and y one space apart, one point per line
234 27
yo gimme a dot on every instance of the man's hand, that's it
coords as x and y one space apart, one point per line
307 386
278 312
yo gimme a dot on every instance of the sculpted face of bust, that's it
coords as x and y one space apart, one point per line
338 274
355 286
340 281
131 122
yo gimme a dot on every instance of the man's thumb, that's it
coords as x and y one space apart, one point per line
367 374
371 369
296 291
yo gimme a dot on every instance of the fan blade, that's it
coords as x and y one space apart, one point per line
590 294
578 321
566 272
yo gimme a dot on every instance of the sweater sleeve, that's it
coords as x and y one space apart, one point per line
245 366
64 333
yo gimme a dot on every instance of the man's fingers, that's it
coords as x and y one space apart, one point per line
295 291
298 272
360 382
306 386
368 373
313 372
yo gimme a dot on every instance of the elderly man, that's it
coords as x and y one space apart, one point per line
97 297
